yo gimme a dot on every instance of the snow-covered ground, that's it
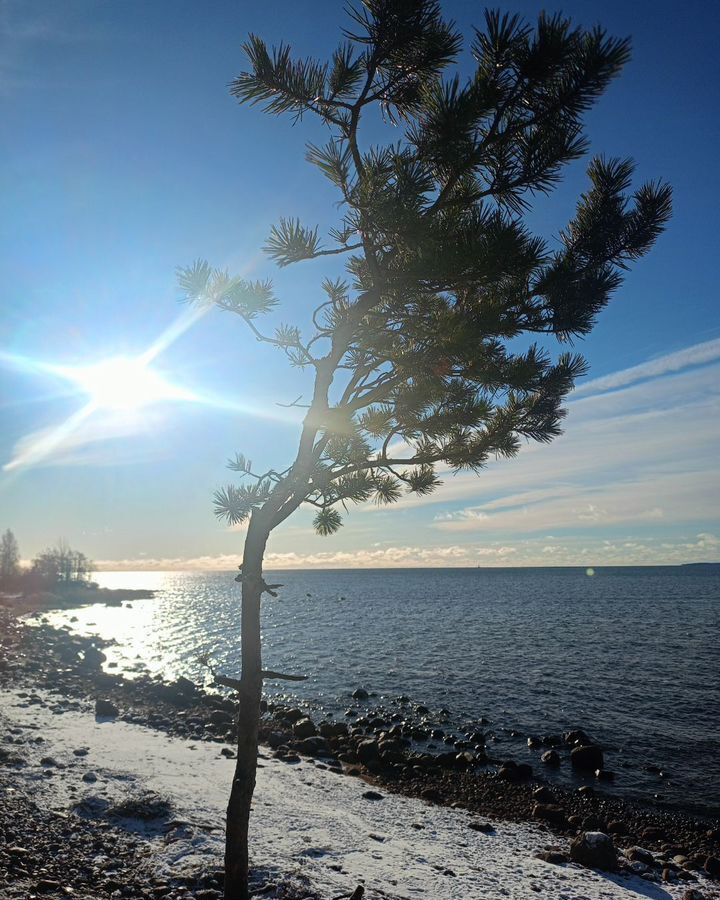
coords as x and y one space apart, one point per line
308 822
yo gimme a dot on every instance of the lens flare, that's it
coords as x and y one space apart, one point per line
123 384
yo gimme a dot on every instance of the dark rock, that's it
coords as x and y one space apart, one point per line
304 728
465 760
184 685
333 729
514 772
577 738
367 751
92 658
372 795
653 834
712 866
586 758
106 709
552 856
693 894
360 694
484 827
90 777
145 807
313 746
543 795
391 751
534 742
220 717
617 827
639 854
594 850
550 812
551 758
277 738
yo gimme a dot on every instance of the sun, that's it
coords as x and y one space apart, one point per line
123 383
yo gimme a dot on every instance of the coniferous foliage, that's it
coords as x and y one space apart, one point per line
416 354
442 270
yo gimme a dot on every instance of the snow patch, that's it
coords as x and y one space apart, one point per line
308 823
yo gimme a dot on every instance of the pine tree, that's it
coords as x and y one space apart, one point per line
411 349
9 559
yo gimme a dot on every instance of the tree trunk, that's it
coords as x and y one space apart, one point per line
250 692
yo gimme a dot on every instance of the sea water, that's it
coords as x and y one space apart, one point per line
631 655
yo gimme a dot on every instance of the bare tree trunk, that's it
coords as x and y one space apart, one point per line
250 691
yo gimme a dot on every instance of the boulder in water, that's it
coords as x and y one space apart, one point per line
551 758
587 758
577 738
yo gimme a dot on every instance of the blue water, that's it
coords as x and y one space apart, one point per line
631 655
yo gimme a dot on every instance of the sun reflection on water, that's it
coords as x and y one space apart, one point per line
133 626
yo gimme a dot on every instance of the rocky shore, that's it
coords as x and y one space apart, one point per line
390 752
69 597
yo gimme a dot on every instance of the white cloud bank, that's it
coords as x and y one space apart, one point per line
544 551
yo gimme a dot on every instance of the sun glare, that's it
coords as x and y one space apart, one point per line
123 384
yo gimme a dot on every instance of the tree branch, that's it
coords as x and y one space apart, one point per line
268 673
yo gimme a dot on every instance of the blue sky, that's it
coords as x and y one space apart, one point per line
123 156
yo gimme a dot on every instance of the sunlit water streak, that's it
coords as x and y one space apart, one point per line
631 655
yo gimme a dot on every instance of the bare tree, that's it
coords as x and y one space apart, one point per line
9 559
61 564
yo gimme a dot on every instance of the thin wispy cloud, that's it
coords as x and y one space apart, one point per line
640 446
697 355
26 28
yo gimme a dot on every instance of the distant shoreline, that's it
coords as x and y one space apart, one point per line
597 567
44 601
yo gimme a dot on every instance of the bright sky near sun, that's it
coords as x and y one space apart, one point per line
123 156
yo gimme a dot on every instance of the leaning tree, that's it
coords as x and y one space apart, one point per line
410 354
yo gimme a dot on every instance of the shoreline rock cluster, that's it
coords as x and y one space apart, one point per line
70 597
383 748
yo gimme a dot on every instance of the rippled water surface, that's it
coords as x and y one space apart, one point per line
631 655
